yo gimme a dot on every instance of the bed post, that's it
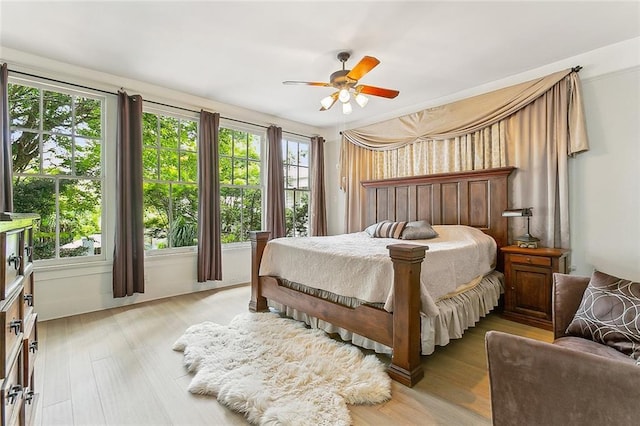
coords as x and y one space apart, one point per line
259 239
406 367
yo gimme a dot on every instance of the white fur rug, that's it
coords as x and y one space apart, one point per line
277 372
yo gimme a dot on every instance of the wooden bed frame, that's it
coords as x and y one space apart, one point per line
475 198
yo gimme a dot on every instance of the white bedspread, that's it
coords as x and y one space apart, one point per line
356 265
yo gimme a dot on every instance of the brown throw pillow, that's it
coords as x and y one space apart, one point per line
418 230
610 314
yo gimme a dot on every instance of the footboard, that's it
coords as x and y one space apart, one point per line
399 330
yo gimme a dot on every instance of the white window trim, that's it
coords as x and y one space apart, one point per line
106 246
306 141
262 132
179 114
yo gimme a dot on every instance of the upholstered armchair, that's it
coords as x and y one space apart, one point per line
574 381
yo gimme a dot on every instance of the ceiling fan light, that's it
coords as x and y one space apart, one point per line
346 108
326 102
344 96
362 100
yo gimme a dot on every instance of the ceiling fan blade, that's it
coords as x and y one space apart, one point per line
376 91
334 96
307 83
365 65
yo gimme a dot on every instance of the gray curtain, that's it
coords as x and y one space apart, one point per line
318 200
6 186
209 242
128 253
275 183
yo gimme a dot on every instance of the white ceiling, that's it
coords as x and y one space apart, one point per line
239 53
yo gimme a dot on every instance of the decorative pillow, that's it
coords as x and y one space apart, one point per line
371 229
418 230
386 229
610 314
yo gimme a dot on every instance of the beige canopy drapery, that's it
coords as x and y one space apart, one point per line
533 126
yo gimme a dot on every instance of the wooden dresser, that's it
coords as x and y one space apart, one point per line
19 336
528 289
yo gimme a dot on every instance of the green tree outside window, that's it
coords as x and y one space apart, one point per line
296 171
56 143
170 175
240 184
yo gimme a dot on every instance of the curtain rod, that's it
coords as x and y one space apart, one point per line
145 100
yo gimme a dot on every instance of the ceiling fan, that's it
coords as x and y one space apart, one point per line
346 81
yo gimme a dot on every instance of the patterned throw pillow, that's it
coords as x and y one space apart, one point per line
610 314
388 229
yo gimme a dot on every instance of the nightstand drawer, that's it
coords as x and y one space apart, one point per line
530 260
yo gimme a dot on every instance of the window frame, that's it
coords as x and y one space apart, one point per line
70 90
286 139
262 133
179 115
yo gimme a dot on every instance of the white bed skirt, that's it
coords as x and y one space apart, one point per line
455 315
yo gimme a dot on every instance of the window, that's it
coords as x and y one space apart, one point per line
170 176
240 184
296 187
56 142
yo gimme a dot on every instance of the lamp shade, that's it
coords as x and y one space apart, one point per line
362 100
344 96
346 108
326 102
524 212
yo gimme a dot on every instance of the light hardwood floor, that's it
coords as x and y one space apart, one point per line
116 367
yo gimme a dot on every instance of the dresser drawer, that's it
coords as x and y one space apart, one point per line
19 330
12 260
530 260
28 298
29 352
29 355
11 335
27 247
11 393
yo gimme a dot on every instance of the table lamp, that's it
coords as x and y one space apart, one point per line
526 240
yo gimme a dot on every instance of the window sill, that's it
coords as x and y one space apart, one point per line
191 251
72 269
77 267
236 246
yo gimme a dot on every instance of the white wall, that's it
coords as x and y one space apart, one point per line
335 197
69 290
72 289
604 182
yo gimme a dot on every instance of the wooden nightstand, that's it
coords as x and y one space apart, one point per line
529 283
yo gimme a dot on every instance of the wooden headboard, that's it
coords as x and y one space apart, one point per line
474 198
